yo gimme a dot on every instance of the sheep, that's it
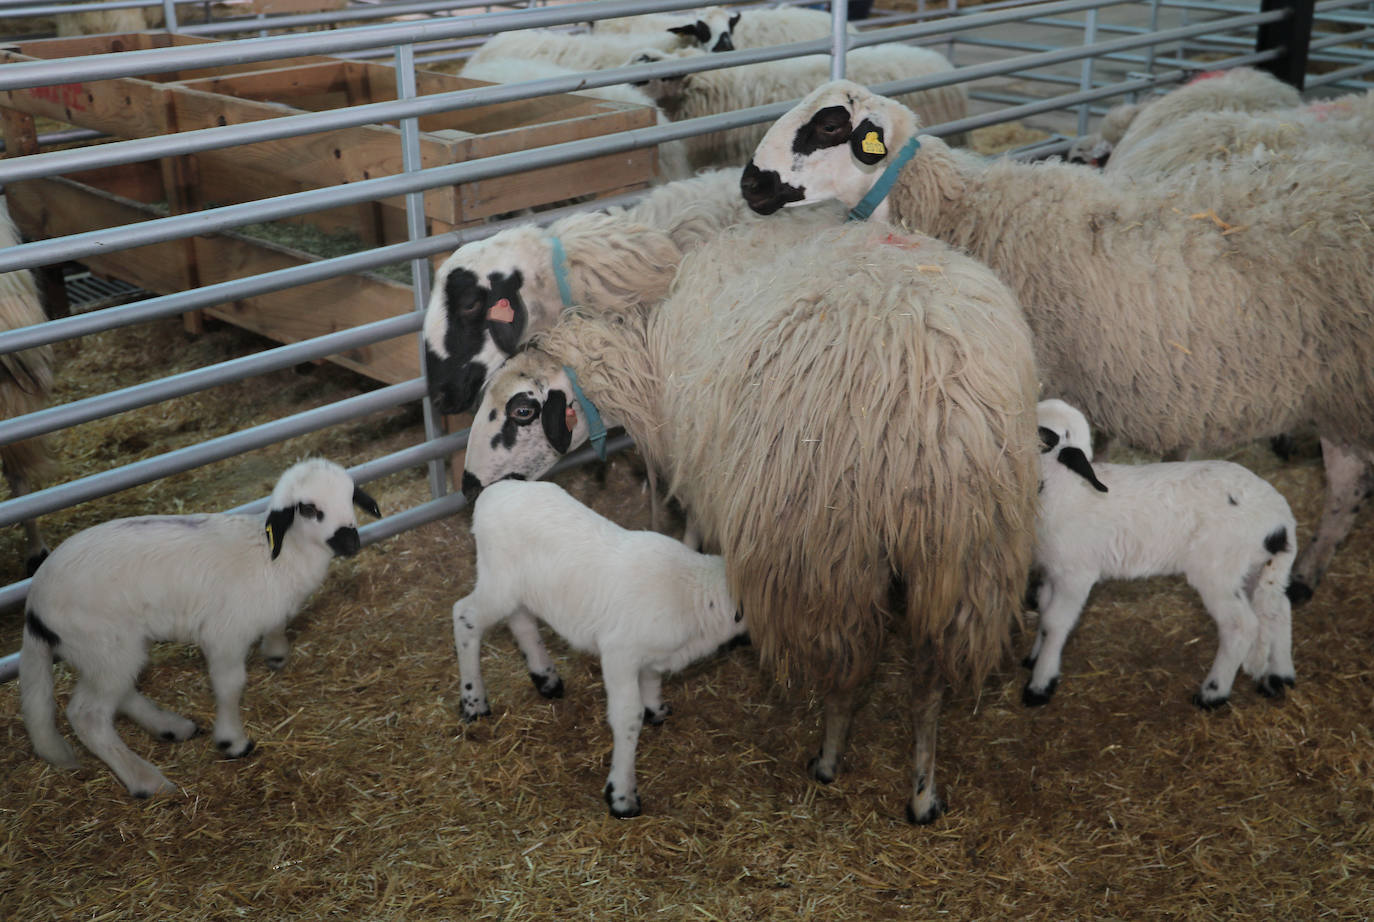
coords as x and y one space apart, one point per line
214 580
576 51
710 28
713 92
672 155
641 601
104 22
1229 306
1241 89
847 411
26 382
1228 531
621 261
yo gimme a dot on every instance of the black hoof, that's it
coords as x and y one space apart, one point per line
275 663
1298 592
1034 699
1271 686
624 813
546 687
1208 705
169 737
32 564
813 768
1029 661
936 810
473 716
657 717
140 795
224 745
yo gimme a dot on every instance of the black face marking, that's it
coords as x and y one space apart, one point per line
1075 460
1276 542
723 43
471 487
521 410
765 191
555 421
829 127
35 626
309 511
345 542
698 31
1231 499
454 382
492 417
1048 439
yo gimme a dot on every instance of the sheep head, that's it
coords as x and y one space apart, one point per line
834 144
713 29
314 499
1065 435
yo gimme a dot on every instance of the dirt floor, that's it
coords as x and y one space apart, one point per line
368 798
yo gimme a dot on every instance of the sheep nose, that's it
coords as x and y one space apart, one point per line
471 487
765 191
345 542
724 44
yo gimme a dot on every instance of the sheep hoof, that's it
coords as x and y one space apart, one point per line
1209 704
172 736
1029 661
471 714
622 808
657 715
1298 591
550 685
1271 686
226 747
1034 699
930 815
816 770
32 563
275 663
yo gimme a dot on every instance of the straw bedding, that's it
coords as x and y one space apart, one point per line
369 799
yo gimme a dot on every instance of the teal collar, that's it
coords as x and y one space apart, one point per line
595 427
560 271
869 203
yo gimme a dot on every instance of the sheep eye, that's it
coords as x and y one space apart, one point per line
309 511
523 413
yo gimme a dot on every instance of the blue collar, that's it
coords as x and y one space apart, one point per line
560 272
595 427
869 203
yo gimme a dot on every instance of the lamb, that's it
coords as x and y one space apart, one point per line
213 580
572 50
641 601
848 412
1228 531
710 28
1229 306
492 295
713 92
26 381
672 155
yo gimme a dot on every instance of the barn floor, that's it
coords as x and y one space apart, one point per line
369 799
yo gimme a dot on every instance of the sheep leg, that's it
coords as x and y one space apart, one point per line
37 547
227 677
165 725
651 693
468 626
525 629
839 717
625 713
925 805
91 712
1349 482
1238 631
1275 613
274 647
1061 602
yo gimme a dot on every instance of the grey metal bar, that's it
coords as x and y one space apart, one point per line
1339 75
839 37
1086 74
332 17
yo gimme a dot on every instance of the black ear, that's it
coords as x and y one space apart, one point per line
734 21
1048 439
867 143
555 421
366 503
507 335
1076 461
278 521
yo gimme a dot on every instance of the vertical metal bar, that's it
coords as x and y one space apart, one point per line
1085 82
169 11
415 228
1150 51
1292 34
839 37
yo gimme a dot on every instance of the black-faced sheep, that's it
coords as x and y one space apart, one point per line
848 412
710 28
1223 307
216 580
642 602
1228 531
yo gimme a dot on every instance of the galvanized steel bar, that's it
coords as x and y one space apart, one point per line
839 37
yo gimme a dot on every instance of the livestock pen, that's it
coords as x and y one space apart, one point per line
369 797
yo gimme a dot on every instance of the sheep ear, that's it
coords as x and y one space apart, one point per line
1048 439
867 143
1076 461
278 521
555 421
364 501
734 21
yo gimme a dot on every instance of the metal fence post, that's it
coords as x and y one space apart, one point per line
1292 35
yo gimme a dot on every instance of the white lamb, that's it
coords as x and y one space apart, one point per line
1228 531
710 28
640 600
214 580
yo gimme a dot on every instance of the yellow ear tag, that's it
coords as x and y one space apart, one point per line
271 538
871 145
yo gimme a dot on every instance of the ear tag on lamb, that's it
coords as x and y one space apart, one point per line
570 418
871 144
501 312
